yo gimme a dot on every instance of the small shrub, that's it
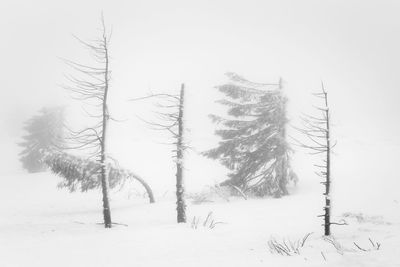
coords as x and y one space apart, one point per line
286 247
331 240
341 249
375 246
209 222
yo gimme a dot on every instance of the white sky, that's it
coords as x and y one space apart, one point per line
352 45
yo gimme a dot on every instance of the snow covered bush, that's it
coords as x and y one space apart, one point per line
84 174
374 245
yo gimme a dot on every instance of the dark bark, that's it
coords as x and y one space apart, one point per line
172 121
327 217
180 190
317 130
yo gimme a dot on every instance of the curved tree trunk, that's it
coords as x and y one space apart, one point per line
145 185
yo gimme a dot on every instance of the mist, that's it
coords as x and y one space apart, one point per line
352 47
156 46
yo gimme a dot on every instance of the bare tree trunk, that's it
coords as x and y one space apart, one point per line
181 206
92 85
327 216
317 129
284 175
172 118
104 174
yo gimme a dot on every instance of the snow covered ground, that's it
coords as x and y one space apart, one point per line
41 225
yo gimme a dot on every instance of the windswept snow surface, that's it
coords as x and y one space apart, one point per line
41 225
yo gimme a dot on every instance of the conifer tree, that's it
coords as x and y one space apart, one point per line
44 131
253 145
80 174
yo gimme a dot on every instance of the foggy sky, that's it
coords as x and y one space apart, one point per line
353 46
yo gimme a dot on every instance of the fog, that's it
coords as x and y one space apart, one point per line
157 45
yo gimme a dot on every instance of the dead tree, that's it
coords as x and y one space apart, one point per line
171 119
317 132
90 84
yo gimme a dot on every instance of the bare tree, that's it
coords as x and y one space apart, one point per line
171 119
317 131
90 84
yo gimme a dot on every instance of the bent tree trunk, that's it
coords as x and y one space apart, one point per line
145 185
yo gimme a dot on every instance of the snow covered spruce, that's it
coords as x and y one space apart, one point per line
84 174
254 146
44 131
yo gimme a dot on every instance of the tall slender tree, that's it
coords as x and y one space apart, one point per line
318 141
91 85
171 119
253 145
180 147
